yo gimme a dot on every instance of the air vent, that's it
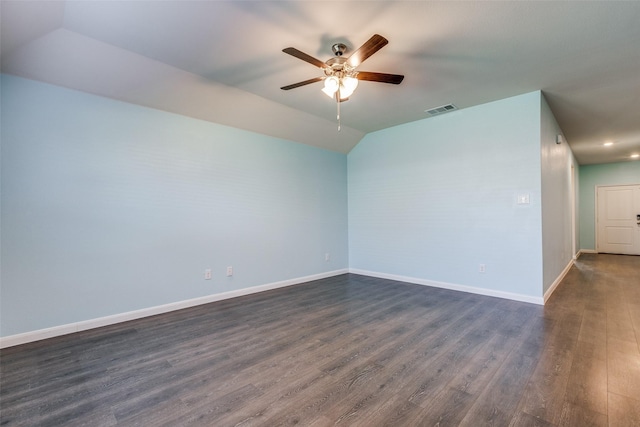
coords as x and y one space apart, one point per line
441 110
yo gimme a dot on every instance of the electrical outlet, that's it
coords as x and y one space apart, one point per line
482 268
229 271
207 274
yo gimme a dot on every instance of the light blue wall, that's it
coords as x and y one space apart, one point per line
109 207
592 176
435 198
556 169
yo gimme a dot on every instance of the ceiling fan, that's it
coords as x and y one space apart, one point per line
340 75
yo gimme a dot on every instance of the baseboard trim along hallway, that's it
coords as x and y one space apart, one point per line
451 286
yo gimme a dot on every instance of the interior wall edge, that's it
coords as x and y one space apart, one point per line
56 331
558 280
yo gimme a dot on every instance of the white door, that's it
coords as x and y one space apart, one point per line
618 219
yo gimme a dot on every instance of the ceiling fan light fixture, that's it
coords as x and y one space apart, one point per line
331 85
347 86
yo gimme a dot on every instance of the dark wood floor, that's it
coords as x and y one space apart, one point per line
354 351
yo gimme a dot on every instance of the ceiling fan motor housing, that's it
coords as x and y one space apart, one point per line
338 64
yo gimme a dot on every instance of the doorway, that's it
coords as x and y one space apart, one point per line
618 219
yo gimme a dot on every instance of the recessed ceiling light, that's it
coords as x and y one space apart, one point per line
635 156
608 143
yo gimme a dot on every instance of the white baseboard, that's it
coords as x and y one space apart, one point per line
586 251
13 340
556 282
452 286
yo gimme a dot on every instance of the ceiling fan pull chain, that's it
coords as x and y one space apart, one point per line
338 107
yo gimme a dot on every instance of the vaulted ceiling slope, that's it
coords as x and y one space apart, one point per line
222 61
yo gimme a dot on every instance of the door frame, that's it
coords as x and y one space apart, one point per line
597 228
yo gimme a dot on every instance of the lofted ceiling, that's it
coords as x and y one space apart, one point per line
222 61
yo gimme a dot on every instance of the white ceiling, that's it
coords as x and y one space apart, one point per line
222 61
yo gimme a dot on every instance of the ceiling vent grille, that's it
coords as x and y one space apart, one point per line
441 110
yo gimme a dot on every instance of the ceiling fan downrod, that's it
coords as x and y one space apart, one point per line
338 49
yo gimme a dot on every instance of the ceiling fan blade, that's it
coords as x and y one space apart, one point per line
307 58
394 79
306 82
371 46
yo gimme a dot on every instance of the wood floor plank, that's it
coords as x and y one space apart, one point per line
587 383
159 415
394 411
522 419
593 327
619 322
445 368
624 373
349 350
564 336
634 313
576 415
537 335
474 377
279 400
406 371
615 344
428 382
548 381
319 404
497 404
623 411
447 408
